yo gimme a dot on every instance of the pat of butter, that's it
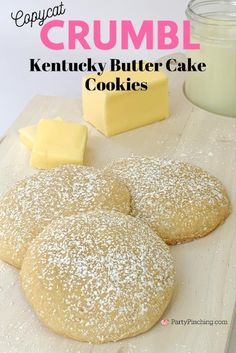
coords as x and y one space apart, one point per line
28 134
113 112
58 143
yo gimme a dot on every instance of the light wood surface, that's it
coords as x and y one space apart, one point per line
206 280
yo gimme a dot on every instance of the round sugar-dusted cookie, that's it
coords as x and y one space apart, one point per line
98 276
179 201
34 202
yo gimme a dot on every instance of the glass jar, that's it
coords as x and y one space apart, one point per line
213 25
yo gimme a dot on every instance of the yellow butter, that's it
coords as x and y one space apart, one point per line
28 134
58 143
113 112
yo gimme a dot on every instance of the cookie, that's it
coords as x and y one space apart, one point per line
178 200
98 276
30 205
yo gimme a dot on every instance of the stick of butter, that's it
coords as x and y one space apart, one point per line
28 134
113 112
58 143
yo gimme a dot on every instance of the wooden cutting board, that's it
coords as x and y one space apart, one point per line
206 280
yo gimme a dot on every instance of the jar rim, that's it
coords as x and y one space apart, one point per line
193 15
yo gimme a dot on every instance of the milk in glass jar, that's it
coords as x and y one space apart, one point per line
213 26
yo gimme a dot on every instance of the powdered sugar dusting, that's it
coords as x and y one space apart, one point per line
180 201
98 276
34 202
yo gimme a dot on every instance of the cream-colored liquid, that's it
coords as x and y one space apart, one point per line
214 89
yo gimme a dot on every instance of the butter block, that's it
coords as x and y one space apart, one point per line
58 143
113 112
28 134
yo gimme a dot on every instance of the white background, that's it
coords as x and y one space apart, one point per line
18 85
